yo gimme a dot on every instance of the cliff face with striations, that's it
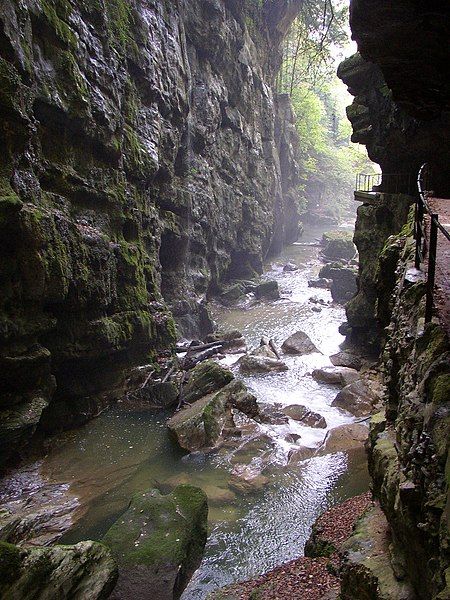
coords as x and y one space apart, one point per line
401 113
145 160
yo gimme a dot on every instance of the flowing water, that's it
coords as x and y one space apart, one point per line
123 452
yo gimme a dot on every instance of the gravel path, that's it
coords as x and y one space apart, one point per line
306 578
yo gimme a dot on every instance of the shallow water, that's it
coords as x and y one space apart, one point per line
124 452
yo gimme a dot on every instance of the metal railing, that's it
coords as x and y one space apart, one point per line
365 182
427 246
389 183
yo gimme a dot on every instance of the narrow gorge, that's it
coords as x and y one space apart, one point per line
214 382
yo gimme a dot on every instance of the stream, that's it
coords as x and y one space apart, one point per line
92 472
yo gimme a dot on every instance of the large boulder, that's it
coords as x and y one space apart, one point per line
84 571
338 245
336 375
346 359
158 543
267 289
299 343
259 364
356 398
200 425
305 416
343 286
343 438
205 378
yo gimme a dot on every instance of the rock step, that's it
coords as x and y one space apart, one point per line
367 573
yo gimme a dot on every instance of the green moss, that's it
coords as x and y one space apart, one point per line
121 25
56 11
157 529
431 344
440 389
10 562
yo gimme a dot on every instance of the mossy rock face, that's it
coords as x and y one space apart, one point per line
113 224
200 425
205 378
158 543
83 571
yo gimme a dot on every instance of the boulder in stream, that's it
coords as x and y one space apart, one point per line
290 268
307 417
346 359
247 479
267 289
84 570
206 377
200 425
321 282
357 398
299 343
345 437
336 375
338 245
158 543
251 364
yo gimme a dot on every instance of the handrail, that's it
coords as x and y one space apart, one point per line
423 197
421 239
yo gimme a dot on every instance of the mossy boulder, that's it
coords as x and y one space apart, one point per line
268 290
205 378
338 245
84 571
200 425
158 543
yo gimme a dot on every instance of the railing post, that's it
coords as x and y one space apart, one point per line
418 231
431 267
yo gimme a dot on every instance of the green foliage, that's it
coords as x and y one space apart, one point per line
329 161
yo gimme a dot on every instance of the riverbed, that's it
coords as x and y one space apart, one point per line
96 469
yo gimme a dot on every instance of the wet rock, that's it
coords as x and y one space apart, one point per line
366 568
247 479
346 359
200 425
356 398
261 364
343 286
305 416
338 245
267 289
218 496
344 437
206 377
316 309
299 343
336 375
232 294
320 283
85 570
289 267
233 341
298 455
158 543
163 394
272 413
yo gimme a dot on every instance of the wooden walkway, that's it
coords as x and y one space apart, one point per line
441 207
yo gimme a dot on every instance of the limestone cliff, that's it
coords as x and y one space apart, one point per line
401 113
145 160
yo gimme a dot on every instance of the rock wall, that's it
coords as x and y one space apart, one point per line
401 113
409 456
145 160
